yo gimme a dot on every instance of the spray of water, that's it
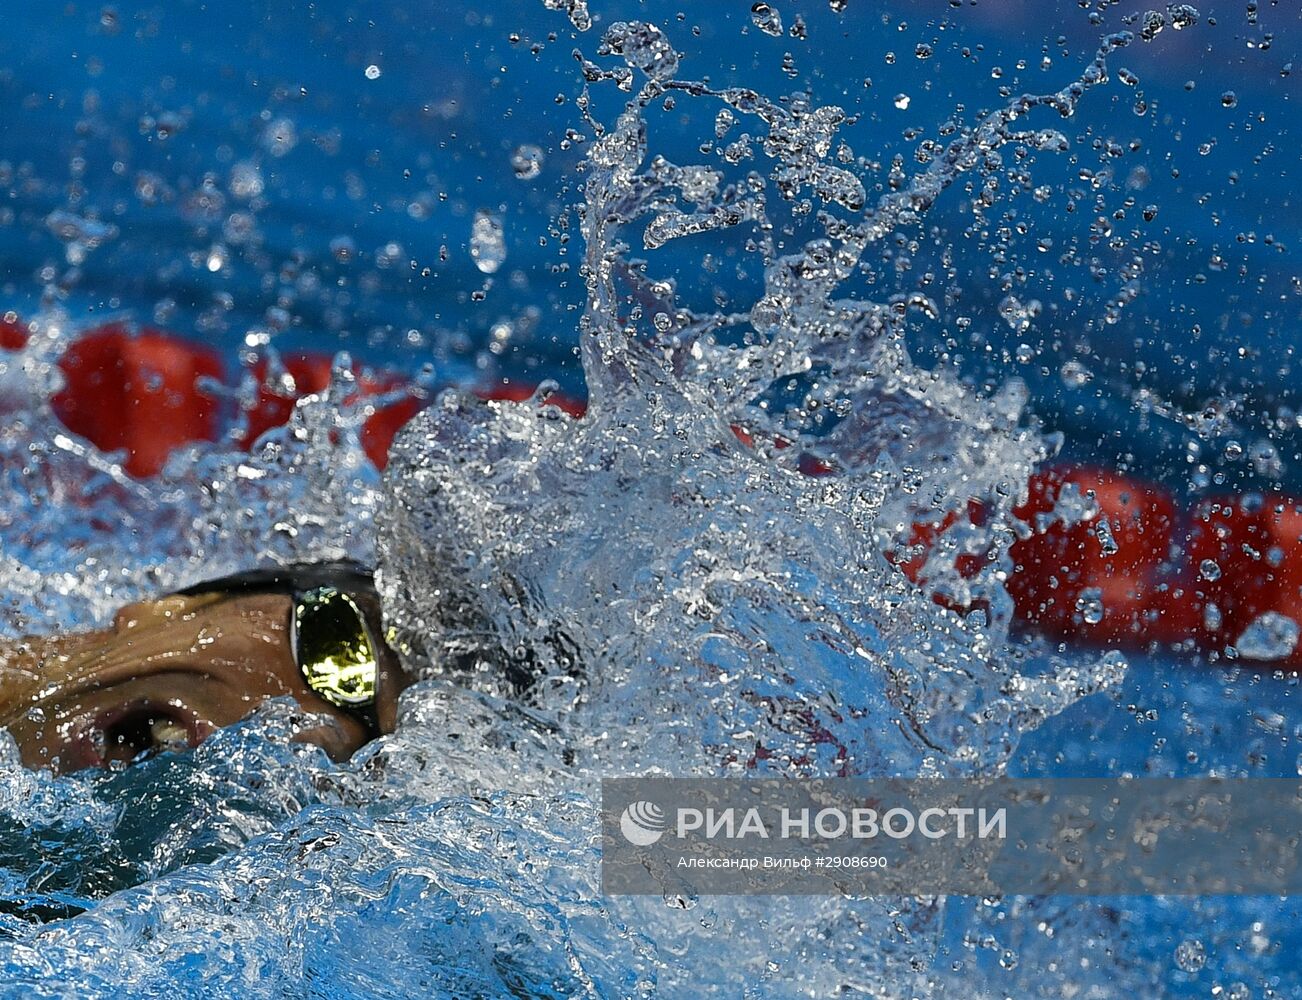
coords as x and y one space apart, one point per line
643 556
643 589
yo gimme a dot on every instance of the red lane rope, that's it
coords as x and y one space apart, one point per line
1132 570
1137 571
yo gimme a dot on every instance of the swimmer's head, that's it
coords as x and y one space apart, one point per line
170 671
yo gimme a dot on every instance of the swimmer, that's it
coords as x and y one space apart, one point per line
170 671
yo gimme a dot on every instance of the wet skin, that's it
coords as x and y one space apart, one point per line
164 676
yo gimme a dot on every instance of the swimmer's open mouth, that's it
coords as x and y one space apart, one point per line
138 730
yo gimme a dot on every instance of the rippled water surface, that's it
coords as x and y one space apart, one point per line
928 247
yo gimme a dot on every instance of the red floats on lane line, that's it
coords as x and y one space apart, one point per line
1106 578
1244 559
1099 578
13 332
140 393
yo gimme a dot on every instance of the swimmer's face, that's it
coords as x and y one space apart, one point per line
169 672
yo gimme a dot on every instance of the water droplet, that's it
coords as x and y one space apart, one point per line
1182 16
644 47
1151 25
1190 955
923 51
487 242
902 101
527 161
1229 99
767 19
246 180
1089 605
279 137
372 72
343 249
1075 374
1271 636
1107 540
1017 315
838 6
1209 569
576 9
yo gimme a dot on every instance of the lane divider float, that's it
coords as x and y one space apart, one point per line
1130 570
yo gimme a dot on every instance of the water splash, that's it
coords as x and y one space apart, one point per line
673 599
638 589
644 549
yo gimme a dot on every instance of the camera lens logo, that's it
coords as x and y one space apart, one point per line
642 823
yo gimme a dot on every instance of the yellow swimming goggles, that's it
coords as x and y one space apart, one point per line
332 639
333 648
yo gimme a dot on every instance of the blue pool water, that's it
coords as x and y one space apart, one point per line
314 176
